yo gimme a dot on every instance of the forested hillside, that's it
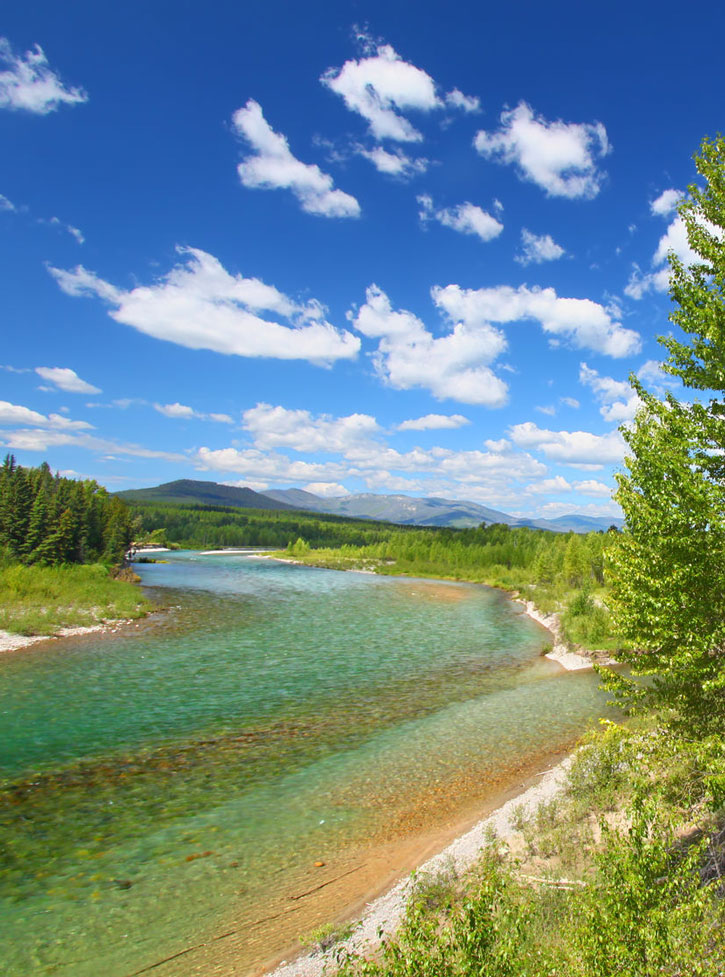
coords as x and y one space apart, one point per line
197 526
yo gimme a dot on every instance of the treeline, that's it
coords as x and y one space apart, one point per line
216 526
545 557
49 520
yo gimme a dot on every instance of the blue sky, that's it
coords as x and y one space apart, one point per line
385 247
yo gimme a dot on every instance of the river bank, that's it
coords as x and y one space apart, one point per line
16 642
385 914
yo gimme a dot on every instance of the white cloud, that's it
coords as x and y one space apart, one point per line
466 218
328 490
198 304
673 240
559 157
652 374
591 487
57 222
586 324
175 410
29 84
547 409
470 104
580 449
273 167
434 422
17 414
6 204
276 427
538 248
570 402
381 86
43 440
619 401
549 485
183 412
396 163
471 474
66 379
453 366
666 203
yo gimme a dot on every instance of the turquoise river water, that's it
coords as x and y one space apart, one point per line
167 791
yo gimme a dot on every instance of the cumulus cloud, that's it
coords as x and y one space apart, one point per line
537 248
29 84
184 412
579 449
276 427
434 422
395 163
328 490
273 167
560 157
673 240
666 203
548 485
586 324
619 401
200 305
470 104
466 218
570 402
487 475
66 379
454 366
29 439
591 487
17 414
380 87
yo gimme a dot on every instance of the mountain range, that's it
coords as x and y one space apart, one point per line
402 509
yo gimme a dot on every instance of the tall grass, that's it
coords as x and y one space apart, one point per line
41 600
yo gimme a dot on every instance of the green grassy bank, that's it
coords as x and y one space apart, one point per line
37 600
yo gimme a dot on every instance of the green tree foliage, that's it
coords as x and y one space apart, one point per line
52 520
669 565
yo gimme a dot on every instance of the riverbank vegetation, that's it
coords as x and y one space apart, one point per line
61 541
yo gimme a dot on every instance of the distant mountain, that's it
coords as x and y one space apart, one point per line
402 509
407 511
186 491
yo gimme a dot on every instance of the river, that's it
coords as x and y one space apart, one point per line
272 749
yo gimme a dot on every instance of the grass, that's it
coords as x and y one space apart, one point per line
37 600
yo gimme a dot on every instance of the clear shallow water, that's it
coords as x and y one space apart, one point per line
186 771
